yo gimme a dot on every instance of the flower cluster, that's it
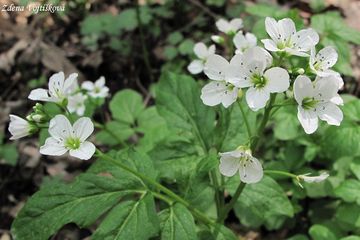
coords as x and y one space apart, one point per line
64 137
268 70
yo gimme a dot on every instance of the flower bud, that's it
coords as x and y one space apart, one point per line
240 93
217 39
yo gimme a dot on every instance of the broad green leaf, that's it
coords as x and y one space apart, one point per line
287 125
115 131
186 47
177 223
261 202
175 38
178 101
100 189
349 191
348 216
131 220
320 232
352 237
262 10
355 167
298 237
126 106
170 52
220 232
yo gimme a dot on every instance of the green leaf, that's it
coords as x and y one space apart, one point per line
216 3
178 101
349 191
287 125
177 223
132 220
175 38
170 52
261 202
126 106
100 189
186 47
220 232
320 232
348 216
115 130
352 237
262 10
355 167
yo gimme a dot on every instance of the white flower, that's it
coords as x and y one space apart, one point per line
314 179
285 38
318 99
97 89
65 137
321 63
229 27
221 90
243 42
59 88
249 168
19 127
252 74
202 52
76 103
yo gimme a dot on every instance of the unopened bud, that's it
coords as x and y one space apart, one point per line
217 39
240 93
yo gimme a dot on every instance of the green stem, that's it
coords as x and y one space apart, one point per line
282 173
232 202
111 133
245 120
263 122
199 215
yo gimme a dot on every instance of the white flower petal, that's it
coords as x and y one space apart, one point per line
196 66
41 94
251 39
330 113
337 100
215 67
223 25
70 84
83 128
303 87
327 57
325 88
18 127
287 28
278 80
84 152
304 40
100 83
56 83
258 54
60 127
270 45
251 171
272 28
53 147
257 98
211 50
314 179
215 93
236 24
229 164
87 85
308 120
201 50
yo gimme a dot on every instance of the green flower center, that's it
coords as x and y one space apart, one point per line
258 81
72 143
97 90
309 103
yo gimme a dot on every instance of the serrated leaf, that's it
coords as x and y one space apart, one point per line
126 106
177 223
178 101
131 220
261 201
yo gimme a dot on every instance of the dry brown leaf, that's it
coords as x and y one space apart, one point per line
7 59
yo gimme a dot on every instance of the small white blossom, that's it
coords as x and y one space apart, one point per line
97 89
252 73
202 52
59 89
321 63
76 103
284 37
313 179
221 90
19 127
65 137
243 42
241 160
229 27
318 99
